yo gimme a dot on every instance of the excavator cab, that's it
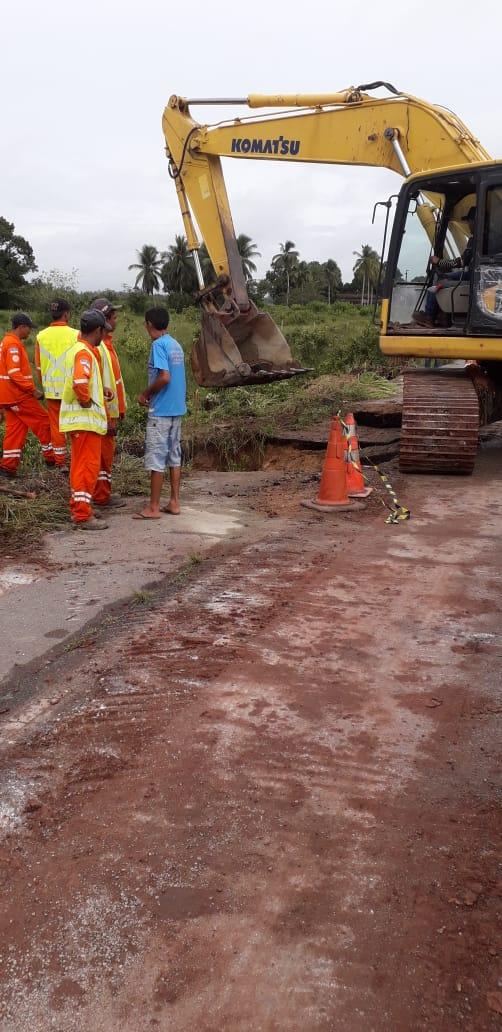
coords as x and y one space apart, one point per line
461 212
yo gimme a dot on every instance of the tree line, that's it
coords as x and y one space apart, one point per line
288 280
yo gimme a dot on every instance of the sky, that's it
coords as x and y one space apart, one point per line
84 173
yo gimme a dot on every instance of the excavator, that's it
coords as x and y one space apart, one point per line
448 208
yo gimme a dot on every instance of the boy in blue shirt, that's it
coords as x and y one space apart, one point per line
165 398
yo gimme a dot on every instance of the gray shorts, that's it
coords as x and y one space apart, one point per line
163 443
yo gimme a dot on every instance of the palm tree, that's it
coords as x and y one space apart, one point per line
366 268
333 277
149 265
247 250
178 271
207 265
300 277
285 262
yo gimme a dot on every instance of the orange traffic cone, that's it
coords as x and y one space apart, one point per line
333 486
356 487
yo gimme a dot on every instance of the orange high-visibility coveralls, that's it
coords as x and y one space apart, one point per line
23 412
108 443
85 444
58 440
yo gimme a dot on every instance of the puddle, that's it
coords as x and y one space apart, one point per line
213 524
13 577
226 602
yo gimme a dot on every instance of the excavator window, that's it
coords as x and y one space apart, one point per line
418 237
429 301
492 233
489 273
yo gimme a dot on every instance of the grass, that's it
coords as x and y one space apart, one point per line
143 598
129 475
340 343
28 519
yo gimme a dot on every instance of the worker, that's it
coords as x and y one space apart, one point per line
19 399
51 346
165 399
116 408
83 417
455 269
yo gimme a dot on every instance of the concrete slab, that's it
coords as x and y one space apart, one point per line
46 603
317 436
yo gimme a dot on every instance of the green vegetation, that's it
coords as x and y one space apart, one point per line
338 341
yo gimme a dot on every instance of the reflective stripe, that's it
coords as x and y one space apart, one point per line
12 451
85 380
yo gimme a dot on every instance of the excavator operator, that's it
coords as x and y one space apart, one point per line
456 270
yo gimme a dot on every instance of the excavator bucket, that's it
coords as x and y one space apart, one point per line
248 350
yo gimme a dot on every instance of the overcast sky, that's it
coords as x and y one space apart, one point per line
84 87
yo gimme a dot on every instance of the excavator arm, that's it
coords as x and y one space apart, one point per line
399 132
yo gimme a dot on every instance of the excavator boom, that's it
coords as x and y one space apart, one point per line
400 132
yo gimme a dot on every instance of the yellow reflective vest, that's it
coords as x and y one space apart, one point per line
112 406
72 416
53 345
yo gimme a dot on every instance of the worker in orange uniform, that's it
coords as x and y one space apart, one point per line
50 350
83 417
19 399
116 408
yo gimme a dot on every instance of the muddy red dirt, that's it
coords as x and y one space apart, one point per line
268 801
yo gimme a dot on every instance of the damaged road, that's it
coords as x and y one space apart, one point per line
267 799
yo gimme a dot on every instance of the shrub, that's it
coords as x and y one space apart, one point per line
138 302
178 301
344 351
318 307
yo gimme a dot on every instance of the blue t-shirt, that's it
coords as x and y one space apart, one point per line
166 353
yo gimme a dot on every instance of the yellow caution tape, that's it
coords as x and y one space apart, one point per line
398 512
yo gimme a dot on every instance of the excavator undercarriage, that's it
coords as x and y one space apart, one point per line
441 418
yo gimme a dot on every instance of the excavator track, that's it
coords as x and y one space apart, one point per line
440 428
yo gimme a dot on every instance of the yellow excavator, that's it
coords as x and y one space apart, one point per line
448 209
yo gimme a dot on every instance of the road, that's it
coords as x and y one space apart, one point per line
265 798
